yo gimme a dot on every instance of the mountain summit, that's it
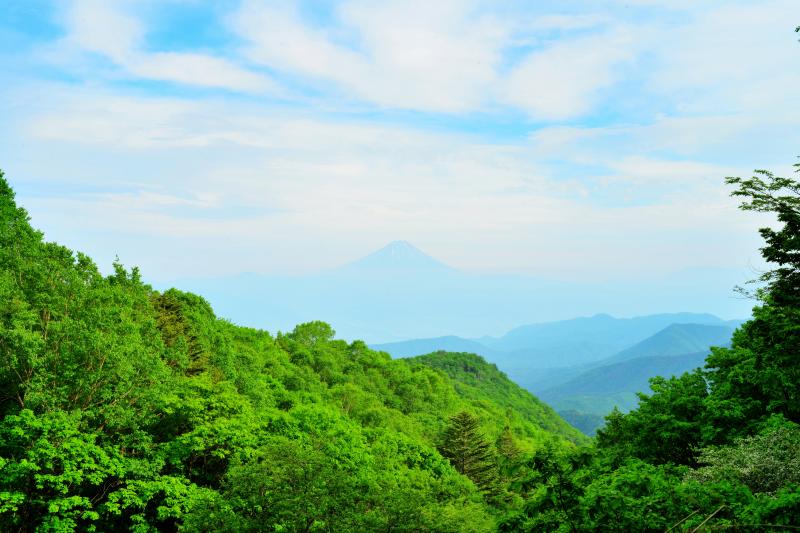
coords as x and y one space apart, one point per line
397 255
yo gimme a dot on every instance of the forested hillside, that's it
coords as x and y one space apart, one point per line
595 393
713 449
478 380
584 394
126 408
597 389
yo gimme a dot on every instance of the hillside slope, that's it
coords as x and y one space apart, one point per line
677 339
128 408
478 381
586 395
627 376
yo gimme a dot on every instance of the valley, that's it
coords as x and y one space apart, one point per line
586 367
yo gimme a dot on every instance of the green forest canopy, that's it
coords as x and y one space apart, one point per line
124 408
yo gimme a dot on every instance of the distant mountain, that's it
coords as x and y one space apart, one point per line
614 382
585 393
450 343
399 292
397 256
595 393
677 339
579 344
587 423
577 341
532 378
627 376
584 340
537 379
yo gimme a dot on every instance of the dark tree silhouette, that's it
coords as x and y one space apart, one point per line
464 445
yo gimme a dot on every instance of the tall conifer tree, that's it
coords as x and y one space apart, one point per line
469 452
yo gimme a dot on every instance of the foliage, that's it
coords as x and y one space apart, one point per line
126 408
766 192
549 482
736 421
667 426
476 380
465 447
714 448
764 462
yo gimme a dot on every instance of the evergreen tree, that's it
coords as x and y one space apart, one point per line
469 452
506 445
508 456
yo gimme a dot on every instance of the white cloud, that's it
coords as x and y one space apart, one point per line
562 81
104 28
280 40
568 22
419 55
296 183
647 171
444 56
198 69
261 184
96 26
453 56
732 58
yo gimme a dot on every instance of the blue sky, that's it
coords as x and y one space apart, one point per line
569 140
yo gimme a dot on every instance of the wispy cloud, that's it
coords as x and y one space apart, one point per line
322 180
539 138
563 80
106 29
430 56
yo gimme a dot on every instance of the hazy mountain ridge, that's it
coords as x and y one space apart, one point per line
401 289
398 292
677 339
588 391
614 382
576 342
448 343
627 376
397 256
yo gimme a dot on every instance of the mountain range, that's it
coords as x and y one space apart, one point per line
579 341
587 366
399 292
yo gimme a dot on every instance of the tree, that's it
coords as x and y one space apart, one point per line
764 462
666 427
469 452
506 445
289 485
551 484
767 193
759 374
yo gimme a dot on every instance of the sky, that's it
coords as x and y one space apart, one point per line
573 140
